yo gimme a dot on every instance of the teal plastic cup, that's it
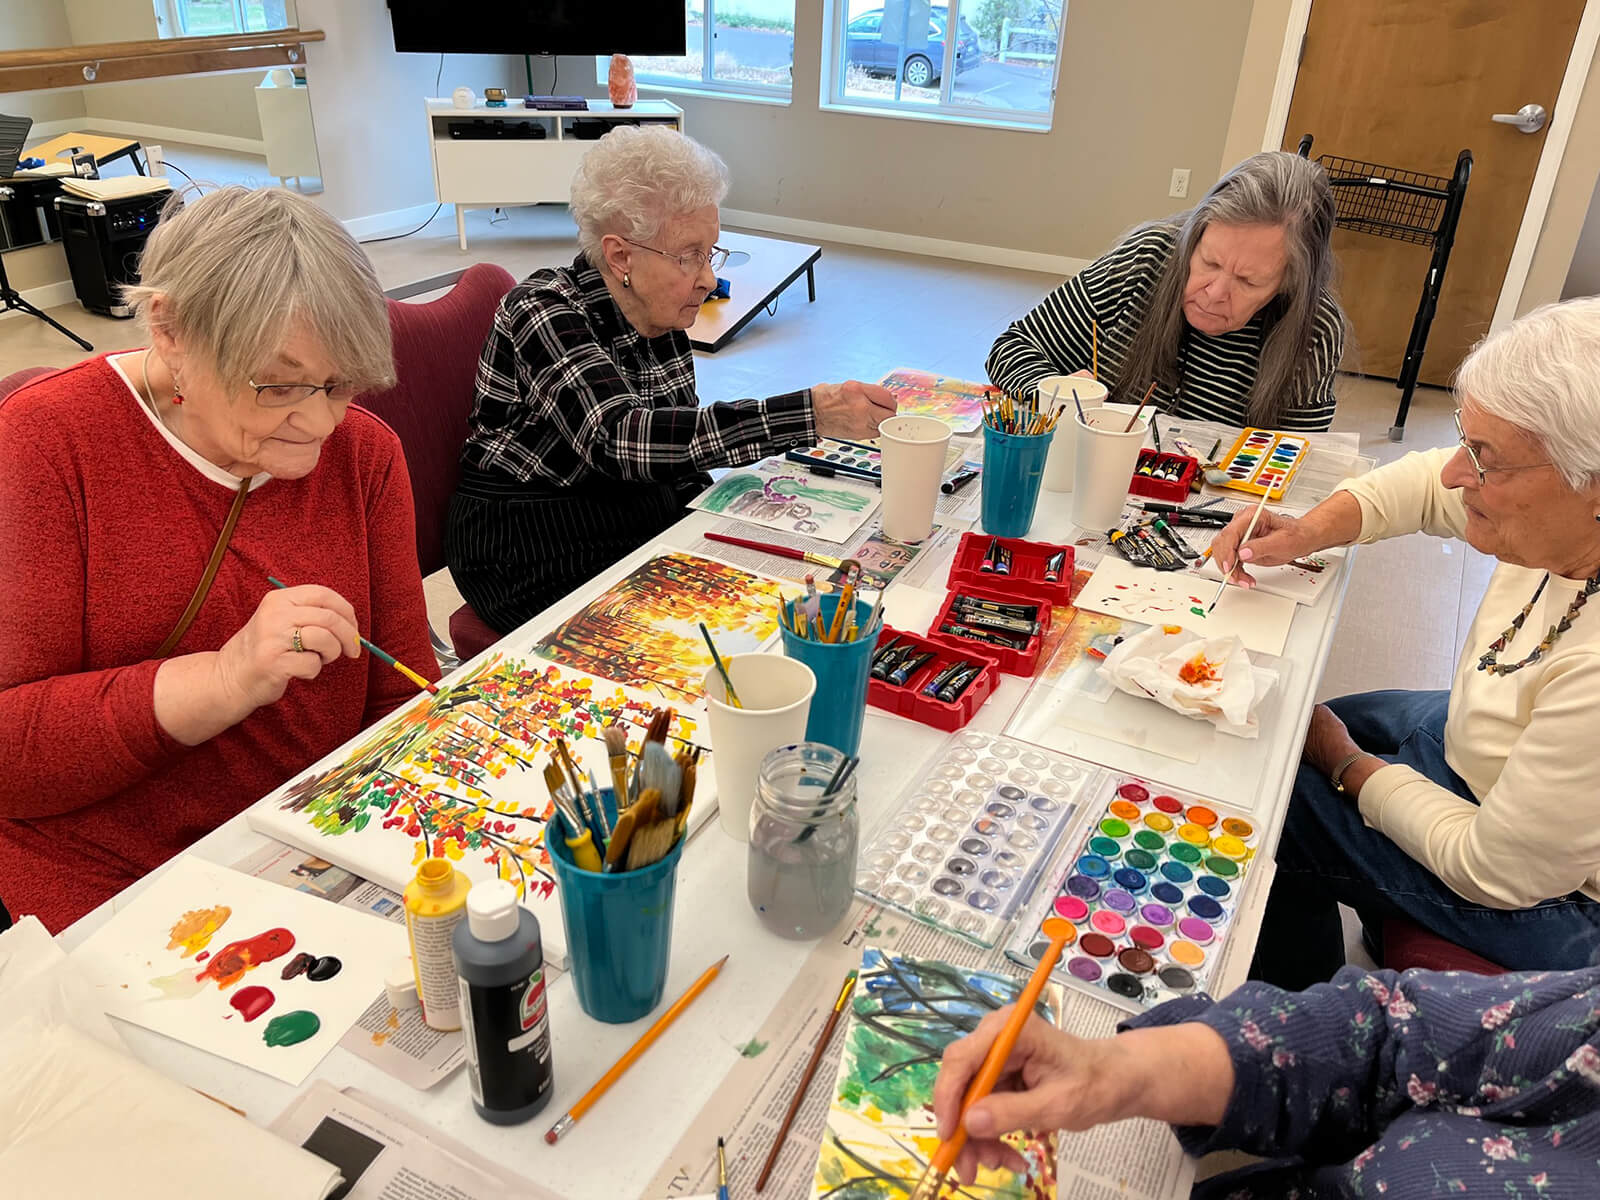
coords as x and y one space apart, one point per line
1013 467
842 669
619 929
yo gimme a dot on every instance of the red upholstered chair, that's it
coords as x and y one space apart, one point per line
16 379
436 348
1407 945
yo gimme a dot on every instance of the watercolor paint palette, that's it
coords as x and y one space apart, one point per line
1264 461
1151 887
967 843
831 456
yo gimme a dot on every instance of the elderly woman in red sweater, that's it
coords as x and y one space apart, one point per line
152 682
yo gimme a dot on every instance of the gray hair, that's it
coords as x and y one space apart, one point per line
240 269
636 179
1272 188
1539 374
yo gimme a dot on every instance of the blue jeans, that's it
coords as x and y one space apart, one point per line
1328 856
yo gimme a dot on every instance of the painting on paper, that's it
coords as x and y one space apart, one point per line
460 776
1150 597
789 498
880 1132
1302 581
262 975
644 631
956 402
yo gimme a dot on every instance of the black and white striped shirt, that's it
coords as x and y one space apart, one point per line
568 391
1216 373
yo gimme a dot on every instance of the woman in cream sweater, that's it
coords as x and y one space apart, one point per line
1474 812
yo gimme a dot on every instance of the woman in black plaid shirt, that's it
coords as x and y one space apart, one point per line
587 437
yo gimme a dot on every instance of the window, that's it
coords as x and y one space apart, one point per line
743 47
984 60
205 18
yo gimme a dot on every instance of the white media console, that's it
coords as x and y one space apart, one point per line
489 172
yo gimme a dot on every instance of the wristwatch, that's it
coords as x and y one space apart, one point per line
1336 776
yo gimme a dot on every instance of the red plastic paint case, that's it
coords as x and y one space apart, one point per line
908 700
1012 662
1027 569
1174 491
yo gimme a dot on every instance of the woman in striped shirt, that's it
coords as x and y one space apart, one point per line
1226 308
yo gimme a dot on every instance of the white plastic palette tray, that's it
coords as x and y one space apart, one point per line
969 839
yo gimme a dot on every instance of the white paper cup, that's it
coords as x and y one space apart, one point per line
776 692
913 463
1104 459
1058 467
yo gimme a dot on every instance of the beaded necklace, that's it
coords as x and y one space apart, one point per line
1490 660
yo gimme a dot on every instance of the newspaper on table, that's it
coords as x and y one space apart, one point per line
883 561
386 1155
1137 1158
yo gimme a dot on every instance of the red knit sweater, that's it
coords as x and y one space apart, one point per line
104 532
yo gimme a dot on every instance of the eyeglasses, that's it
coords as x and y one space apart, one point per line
287 395
692 262
1483 471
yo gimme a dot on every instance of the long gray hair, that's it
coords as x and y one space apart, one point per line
1272 188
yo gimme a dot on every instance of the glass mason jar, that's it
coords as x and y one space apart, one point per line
802 857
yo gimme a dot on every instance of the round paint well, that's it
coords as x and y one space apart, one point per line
975 846
1216 888
1097 945
987 826
1114 827
1168 804
1167 893
1085 969
1123 810
1135 792
1005 791
1125 985
1225 867
1205 908
1159 915
1093 866
1231 847
1186 953
1105 847
1241 829
946 886
1202 816
1136 961
1149 839
1178 979
1176 872
983 901
1119 900
1033 821
1021 839
998 880
1042 804
1056 927
1000 809
1146 938
1072 908
1083 887
1008 859
1129 880
1140 860
1159 822
1195 930
1194 834
1109 923
961 866
1185 853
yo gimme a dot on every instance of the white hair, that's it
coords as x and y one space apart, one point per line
1540 374
241 269
636 179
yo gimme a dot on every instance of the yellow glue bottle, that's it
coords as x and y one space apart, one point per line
436 902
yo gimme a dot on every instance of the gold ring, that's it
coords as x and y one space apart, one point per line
296 643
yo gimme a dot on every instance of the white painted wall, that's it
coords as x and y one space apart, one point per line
35 25
1583 277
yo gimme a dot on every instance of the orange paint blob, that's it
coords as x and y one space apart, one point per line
230 963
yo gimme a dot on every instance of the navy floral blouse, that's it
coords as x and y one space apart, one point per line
1420 1083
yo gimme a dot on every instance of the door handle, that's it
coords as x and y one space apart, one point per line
1530 118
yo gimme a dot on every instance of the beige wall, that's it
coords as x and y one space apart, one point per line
1258 76
1583 278
34 25
1569 202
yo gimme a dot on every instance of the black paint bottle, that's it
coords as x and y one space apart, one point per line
504 1011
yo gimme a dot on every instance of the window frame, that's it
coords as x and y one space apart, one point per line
707 84
169 19
833 98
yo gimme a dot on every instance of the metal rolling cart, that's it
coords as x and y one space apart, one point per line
1406 206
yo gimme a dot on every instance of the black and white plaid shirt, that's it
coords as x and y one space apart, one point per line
568 392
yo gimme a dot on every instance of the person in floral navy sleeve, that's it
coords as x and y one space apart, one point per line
1380 1083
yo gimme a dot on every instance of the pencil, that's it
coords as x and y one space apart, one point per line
381 655
1094 361
1248 530
557 1131
817 1052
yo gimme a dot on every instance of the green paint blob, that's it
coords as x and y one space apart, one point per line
752 1048
1114 827
1141 860
1184 853
1149 839
1198 611
291 1028
1222 867
1105 847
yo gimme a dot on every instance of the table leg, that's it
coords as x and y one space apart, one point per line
811 285
461 226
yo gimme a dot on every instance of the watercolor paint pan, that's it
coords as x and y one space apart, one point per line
831 456
1264 461
1152 885
968 841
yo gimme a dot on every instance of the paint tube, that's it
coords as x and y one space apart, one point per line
958 683
909 667
1002 565
1179 546
888 658
990 637
990 555
988 620
1017 612
1053 565
931 688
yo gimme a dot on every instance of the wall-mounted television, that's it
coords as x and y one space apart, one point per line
539 27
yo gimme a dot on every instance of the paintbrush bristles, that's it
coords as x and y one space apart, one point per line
1248 531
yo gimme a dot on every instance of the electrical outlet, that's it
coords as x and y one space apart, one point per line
1180 183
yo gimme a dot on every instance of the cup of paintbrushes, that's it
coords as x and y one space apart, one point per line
777 695
1013 468
619 927
842 670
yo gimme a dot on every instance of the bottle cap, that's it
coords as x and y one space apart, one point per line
492 910
400 984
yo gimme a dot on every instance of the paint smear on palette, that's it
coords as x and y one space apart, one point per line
252 1001
291 1028
228 965
318 970
195 929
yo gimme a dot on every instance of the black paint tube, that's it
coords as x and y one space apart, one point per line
909 667
958 683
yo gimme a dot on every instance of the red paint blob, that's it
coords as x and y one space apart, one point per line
202 956
234 959
252 1001
1135 792
1168 804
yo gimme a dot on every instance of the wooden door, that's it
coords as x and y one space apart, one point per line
1408 84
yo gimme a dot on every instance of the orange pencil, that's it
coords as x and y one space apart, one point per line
1060 931
557 1131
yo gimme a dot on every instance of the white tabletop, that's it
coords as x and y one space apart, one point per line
618 1147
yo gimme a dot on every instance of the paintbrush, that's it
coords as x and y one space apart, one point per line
1094 350
722 669
1248 530
652 843
656 731
805 1079
1131 420
840 776
381 655
616 739
1082 420
688 761
593 810
657 770
581 843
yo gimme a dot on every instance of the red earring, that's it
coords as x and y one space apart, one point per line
177 394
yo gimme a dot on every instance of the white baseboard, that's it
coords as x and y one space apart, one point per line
46 296
395 221
906 243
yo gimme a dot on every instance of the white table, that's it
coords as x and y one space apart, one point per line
616 1149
